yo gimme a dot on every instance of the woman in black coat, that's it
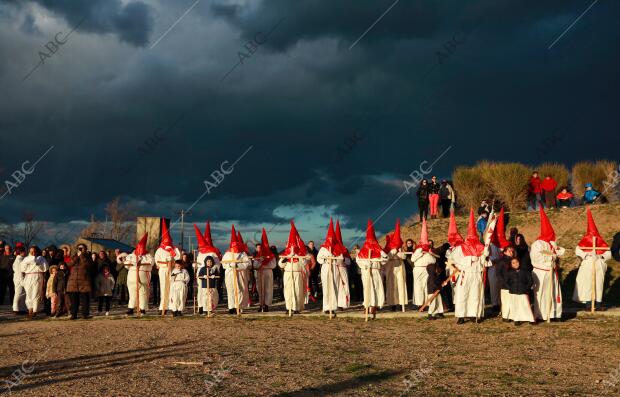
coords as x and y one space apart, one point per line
423 200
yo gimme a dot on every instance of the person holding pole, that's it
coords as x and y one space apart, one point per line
469 258
421 258
395 275
264 263
235 261
294 261
208 277
370 259
328 255
594 253
165 255
139 264
205 250
344 294
544 254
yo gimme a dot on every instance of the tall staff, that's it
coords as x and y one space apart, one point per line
138 312
167 289
593 286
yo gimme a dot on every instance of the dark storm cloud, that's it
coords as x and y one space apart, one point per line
302 99
132 22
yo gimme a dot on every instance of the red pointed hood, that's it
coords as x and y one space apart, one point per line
343 248
395 241
424 243
454 237
235 246
295 245
141 248
371 248
546 230
499 233
331 242
243 244
588 240
265 249
207 234
472 245
204 245
166 240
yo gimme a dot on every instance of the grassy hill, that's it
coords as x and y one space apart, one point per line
569 225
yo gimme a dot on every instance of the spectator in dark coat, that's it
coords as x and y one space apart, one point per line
79 282
7 258
502 266
423 199
60 287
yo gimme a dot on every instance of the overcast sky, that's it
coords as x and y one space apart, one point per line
325 112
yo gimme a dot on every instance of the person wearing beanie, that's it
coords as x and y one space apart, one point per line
469 259
371 258
395 274
544 255
165 255
591 257
179 278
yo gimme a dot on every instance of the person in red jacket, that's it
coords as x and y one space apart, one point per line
564 198
548 186
534 191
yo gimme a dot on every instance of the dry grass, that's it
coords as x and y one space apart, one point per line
469 186
307 356
507 181
600 175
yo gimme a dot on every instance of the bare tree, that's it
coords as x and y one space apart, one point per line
120 217
31 228
7 231
92 228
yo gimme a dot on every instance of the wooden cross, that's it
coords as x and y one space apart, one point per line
593 286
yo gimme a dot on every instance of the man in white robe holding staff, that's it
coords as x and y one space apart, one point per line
294 261
235 262
395 275
545 254
139 264
344 293
328 255
594 252
264 263
165 255
421 258
370 260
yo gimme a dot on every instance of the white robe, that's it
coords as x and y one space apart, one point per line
520 308
19 299
264 280
374 295
178 289
200 259
395 279
494 285
243 263
583 283
295 274
468 294
436 306
506 301
146 264
162 259
421 260
334 280
548 295
34 278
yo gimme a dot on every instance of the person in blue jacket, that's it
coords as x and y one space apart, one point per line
590 195
481 225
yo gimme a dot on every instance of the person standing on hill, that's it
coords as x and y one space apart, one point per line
433 196
590 195
446 198
548 186
423 199
564 198
534 191
544 254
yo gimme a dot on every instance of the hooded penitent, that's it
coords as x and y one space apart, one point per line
295 245
546 230
166 240
394 241
265 249
343 248
472 245
243 244
331 242
371 248
454 237
235 246
587 241
203 245
424 243
209 240
499 234
141 248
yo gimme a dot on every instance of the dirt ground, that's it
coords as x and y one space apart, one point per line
308 356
